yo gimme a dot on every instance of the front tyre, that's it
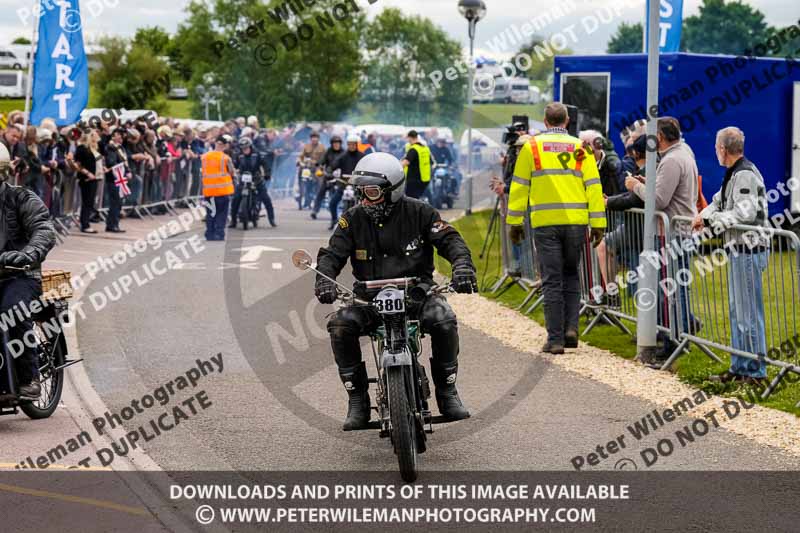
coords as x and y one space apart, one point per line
51 356
403 425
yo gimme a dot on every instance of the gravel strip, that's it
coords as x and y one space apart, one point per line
761 424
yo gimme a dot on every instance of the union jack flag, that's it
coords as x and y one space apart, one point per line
121 180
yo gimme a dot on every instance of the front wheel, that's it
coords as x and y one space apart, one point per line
403 425
51 357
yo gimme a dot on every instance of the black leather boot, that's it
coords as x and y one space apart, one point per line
444 378
358 404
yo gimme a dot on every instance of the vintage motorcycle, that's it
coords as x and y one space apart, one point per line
443 187
402 386
305 187
348 192
50 348
250 205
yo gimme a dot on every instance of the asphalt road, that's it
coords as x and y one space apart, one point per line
278 402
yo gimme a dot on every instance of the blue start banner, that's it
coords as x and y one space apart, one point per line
671 20
60 71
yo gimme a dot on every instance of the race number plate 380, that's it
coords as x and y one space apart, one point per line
390 301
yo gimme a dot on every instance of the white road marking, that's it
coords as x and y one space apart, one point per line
253 253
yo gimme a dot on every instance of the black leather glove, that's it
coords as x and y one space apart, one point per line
464 280
15 259
516 234
596 236
325 291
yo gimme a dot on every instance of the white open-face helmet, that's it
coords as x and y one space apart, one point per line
377 175
353 138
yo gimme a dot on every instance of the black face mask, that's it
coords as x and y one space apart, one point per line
378 212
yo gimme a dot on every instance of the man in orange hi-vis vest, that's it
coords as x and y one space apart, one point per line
218 188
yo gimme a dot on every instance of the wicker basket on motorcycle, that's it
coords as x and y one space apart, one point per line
56 285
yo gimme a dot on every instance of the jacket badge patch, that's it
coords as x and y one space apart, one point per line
361 255
438 226
343 223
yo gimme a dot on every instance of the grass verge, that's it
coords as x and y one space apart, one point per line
693 368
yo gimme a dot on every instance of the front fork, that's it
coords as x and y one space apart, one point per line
419 393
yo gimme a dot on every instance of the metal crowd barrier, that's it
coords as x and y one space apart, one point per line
609 273
284 175
701 280
154 191
519 264
745 296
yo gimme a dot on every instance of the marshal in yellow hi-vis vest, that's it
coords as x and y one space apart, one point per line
558 181
217 179
424 158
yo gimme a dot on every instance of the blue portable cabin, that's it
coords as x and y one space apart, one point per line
761 96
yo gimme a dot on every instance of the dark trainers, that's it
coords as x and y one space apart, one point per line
571 339
31 391
553 348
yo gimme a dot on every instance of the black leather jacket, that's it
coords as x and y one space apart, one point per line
254 164
401 246
25 226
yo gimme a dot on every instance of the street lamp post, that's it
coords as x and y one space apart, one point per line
209 93
473 11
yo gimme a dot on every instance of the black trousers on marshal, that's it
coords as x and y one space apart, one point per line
559 251
349 323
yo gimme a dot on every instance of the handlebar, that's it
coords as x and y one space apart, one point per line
17 269
381 283
417 293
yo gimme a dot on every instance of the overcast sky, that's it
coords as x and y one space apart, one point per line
589 34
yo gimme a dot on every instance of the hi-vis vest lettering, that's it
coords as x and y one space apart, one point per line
424 158
555 195
217 181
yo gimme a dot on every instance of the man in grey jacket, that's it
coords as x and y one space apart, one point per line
676 194
741 200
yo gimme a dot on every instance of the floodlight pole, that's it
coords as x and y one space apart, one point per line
647 298
472 23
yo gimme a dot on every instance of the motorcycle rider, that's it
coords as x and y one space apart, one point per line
255 164
313 151
343 166
389 235
26 236
441 152
326 162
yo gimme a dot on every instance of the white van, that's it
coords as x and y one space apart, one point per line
12 83
520 90
9 59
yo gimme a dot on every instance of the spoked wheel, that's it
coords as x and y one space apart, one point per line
254 212
244 210
404 435
51 356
